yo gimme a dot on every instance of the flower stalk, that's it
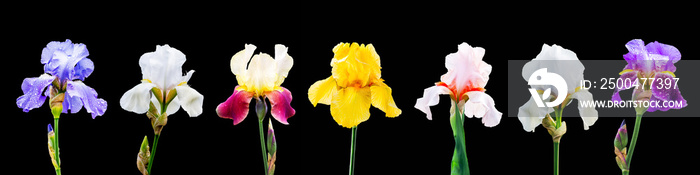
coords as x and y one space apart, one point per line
353 144
261 111
635 134
460 164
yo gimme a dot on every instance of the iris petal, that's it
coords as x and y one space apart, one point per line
138 98
323 91
531 116
588 113
431 97
190 100
382 99
88 96
665 89
350 106
632 75
236 106
481 105
33 88
280 101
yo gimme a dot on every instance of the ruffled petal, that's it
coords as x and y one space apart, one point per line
481 105
465 69
626 74
665 90
531 116
382 99
350 106
190 100
558 60
673 54
588 113
322 91
83 69
33 88
163 67
284 63
280 101
236 106
431 97
53 46
138 98
93 105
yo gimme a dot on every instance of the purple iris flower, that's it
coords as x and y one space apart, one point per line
653 67
65 67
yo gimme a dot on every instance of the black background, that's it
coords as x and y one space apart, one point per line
412 40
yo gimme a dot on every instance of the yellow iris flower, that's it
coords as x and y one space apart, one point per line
354 85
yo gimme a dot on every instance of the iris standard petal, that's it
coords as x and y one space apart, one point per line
163 67
531 116
239 61
138 98
236 106
284 63
431 97
173 71
33 88
322 91
190 100
481 105
350 106
588 113
673 54
465 69
280 101
665 90
93 105
624 75
557 60
262 74
382 99
53 46
83 69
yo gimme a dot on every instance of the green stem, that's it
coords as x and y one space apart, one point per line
460 164
262 145
153 152
353 143
558 114
635 134
556 158
55 145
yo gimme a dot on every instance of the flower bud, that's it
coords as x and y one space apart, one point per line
621 146
271 141
52 150
260 108
621 136
556 133
143 156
